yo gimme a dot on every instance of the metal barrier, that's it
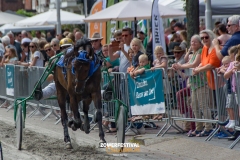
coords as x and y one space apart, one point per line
203 107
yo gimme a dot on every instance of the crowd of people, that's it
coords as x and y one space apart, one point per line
208 50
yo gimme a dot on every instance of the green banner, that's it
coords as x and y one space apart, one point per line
10 80
146 93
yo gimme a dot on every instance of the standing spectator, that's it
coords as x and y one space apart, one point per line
36 56
71 36
233 29
24 34
2 51
78 35
49 37
138 49
175 41
41 44
224 37
15 44
5 41
49 51
25 50
59 37
39 36
96 43
127 35
55 45
183 37
178 27
141 35
209 61
18 37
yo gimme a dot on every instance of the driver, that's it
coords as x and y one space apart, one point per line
50 89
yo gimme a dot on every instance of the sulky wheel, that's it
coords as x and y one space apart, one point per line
121 124
19 127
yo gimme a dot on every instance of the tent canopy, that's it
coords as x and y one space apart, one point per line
50 18
129 10
9 18
10 27
219 7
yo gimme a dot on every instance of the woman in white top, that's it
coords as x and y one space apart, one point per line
36 58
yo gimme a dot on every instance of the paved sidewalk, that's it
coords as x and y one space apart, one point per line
172 146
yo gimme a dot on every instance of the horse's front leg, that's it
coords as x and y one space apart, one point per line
86 104
61 101
98 105
77 122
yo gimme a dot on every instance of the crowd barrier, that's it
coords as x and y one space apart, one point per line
203 101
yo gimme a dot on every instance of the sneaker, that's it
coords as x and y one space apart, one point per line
224 135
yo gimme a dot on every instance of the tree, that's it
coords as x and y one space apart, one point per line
192 13
25 13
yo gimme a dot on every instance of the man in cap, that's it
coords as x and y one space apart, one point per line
141 35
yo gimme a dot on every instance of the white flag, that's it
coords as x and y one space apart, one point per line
157 28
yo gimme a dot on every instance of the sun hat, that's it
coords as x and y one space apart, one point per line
177 49
96 36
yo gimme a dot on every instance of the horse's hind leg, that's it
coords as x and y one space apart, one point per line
77 122
86 126
98 105
61 95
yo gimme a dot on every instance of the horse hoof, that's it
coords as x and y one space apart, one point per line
70 124
82 127
73 127
68 145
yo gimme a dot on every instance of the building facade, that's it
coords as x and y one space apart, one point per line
12 5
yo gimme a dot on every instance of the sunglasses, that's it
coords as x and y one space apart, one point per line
124 35
32 46
54 45
229 25
206 37
47 50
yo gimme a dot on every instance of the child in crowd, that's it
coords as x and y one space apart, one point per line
161 61
10 56
130 53
231 100
143 65
138 49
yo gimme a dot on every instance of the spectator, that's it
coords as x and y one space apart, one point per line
49 37
224 37
178 27
36 56
141 35
15 44
24 34
9 57
109 64
18 37
5 41
39 36
168 33
78 35
96 43
127 35
149 46
143 65
138 49
2 51
71 36
50 53
41 44
118 35
59 36
209 61
175 41
55 45
183 37
233 29
25 50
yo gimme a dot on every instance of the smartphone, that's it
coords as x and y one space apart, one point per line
115 46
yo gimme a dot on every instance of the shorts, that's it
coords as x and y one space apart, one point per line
231 100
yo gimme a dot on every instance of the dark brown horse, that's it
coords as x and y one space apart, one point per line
82 84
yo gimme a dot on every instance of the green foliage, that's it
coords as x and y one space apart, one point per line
25 13
184 5
71 27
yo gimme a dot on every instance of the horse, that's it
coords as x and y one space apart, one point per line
82 83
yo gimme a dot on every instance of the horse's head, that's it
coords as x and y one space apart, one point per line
84 54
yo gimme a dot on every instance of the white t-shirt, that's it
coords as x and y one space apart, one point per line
12 60
39 62
124 62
